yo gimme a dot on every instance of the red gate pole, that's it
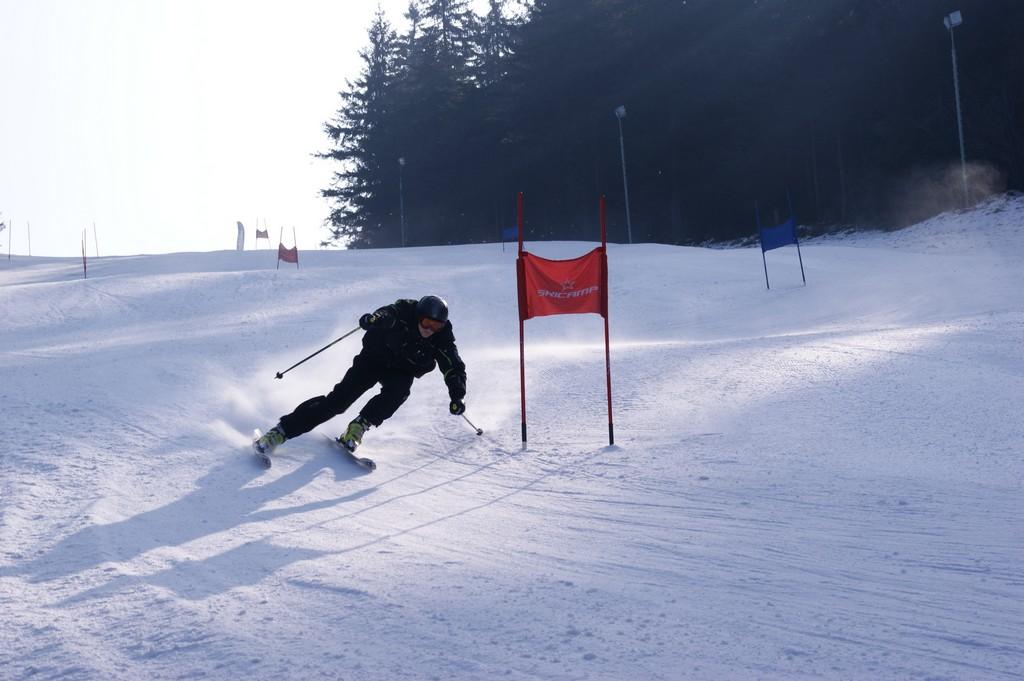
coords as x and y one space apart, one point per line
519 285
607 350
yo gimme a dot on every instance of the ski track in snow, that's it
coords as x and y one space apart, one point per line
818 482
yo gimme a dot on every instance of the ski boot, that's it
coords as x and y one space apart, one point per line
270 441
353 436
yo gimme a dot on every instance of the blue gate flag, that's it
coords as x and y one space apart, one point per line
510 233
778 236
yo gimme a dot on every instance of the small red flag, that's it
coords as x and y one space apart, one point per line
550 287
288 254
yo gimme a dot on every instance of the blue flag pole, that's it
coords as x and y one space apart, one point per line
796 240
801 260
760 237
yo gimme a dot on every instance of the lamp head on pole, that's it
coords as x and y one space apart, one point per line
401 160
620 111
953 20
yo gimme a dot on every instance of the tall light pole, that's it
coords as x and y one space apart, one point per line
401 197
951 21
620 113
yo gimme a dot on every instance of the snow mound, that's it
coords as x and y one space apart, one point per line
994 226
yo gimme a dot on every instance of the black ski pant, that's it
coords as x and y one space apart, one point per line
363 375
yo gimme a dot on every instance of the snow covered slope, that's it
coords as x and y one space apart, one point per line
818 482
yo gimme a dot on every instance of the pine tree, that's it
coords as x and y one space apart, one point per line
495 45
363 195
450 29
430 103
486 123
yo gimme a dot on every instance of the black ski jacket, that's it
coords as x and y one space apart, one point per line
400 346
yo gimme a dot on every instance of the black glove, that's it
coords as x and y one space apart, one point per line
380 319
456 386
457 407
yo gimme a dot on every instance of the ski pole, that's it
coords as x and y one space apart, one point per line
478 430
280 374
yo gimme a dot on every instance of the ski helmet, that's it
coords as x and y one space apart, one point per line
432 307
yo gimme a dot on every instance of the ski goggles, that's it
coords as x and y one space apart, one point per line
431 324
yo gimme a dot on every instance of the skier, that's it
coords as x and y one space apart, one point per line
403 341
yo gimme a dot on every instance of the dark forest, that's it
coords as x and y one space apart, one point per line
842 109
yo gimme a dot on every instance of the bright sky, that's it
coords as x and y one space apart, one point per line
166 121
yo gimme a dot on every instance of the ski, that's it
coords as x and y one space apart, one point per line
361 461
263 457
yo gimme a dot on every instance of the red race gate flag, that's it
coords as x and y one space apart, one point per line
577 286
287 254
550 287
